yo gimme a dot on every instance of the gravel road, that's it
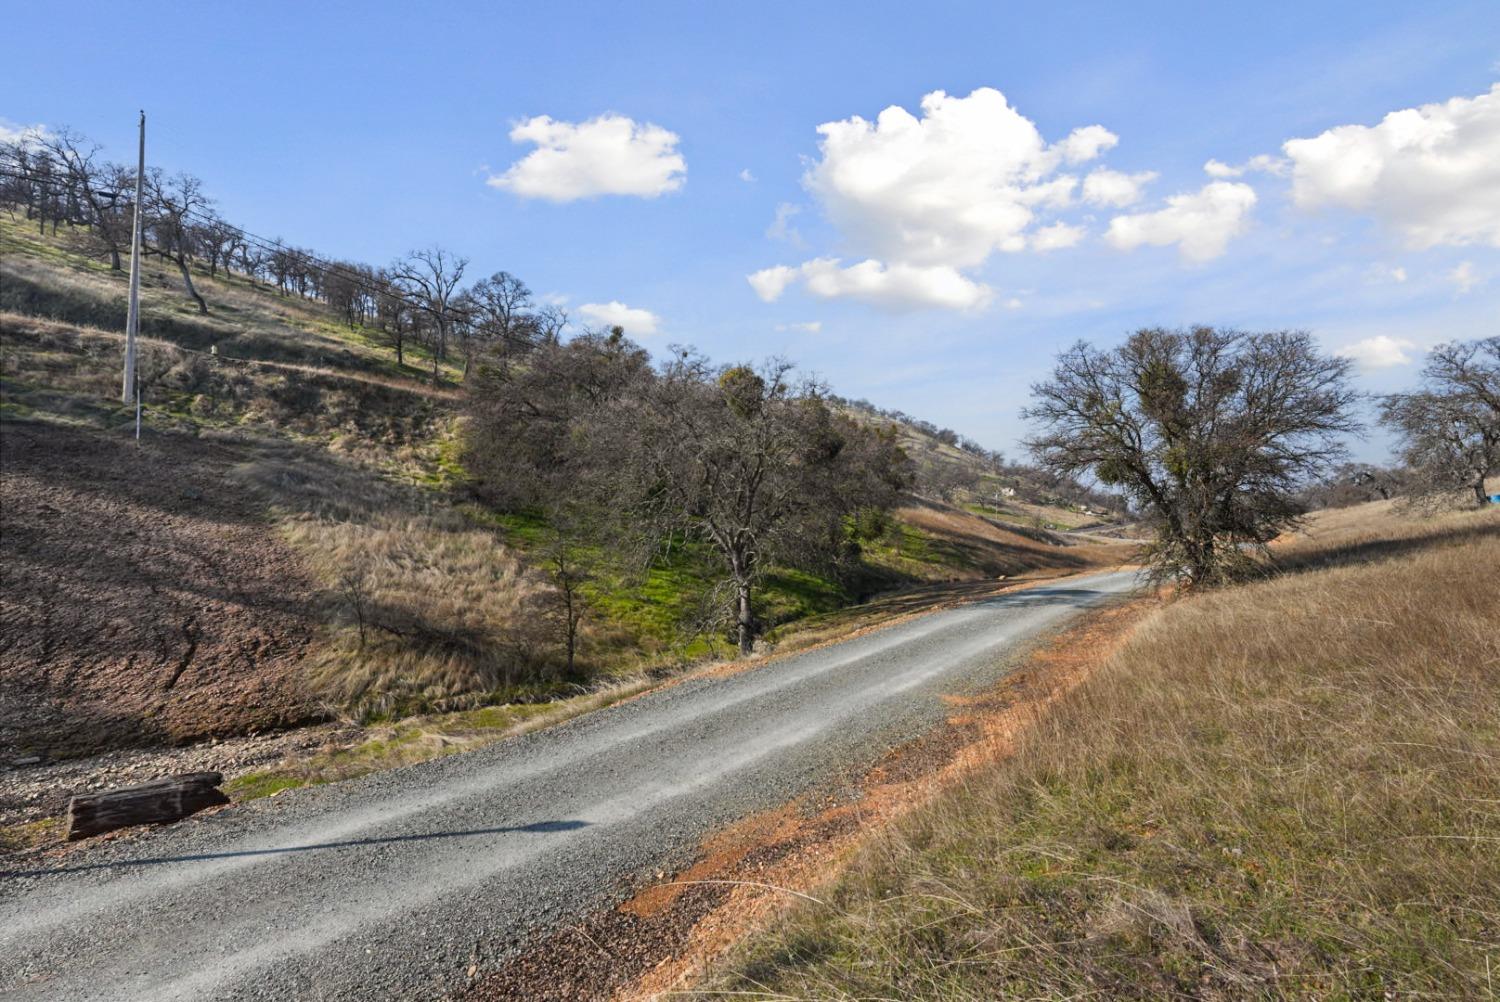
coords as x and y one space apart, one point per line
388 887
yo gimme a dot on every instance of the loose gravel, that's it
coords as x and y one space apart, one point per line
393 886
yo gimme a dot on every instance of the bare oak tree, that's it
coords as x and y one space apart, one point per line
1210 431
500 318
96 191
174 202
1450 429
429 279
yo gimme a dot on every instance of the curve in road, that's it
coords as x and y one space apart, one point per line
387 887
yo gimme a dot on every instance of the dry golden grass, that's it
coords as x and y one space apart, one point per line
941 542
426 611
1289 789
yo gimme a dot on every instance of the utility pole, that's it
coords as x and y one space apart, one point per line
130 390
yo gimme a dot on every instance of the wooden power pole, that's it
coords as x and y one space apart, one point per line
129 390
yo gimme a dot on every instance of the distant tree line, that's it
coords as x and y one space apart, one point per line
59 181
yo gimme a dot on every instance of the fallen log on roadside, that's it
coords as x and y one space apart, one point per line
168 799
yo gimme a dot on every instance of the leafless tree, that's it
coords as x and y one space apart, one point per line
252 260
393 314
175 201
430 279
500 317
1450 429
217 240
547 324
946 481
1211 431
95 191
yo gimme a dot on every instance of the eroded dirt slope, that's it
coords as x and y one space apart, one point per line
143 597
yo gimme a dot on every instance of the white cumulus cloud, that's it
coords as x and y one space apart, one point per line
896 286
608 155
1087 143
1056 237
1200 223
1262 162
770 283
924 198
1115 189
1379 352
637 322
949 188
1431 173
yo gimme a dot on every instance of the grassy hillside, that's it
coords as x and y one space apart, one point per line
293 536
1282 790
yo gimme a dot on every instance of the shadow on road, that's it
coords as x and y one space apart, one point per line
1077 598
540 826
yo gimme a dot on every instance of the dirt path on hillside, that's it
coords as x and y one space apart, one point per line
144 599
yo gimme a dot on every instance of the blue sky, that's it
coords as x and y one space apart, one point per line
366 130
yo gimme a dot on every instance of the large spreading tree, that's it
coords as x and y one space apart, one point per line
1210 431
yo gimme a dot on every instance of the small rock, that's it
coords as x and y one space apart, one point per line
28 760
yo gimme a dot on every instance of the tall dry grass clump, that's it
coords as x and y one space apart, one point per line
426 611
1285 789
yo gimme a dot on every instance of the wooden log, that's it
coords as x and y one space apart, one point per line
168 799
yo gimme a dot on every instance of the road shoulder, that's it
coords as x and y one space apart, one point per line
664 936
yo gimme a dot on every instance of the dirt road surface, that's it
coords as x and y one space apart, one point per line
397 885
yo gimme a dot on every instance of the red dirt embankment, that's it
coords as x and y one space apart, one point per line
144 599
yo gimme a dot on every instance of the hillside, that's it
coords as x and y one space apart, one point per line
1283 789
957 470
293 485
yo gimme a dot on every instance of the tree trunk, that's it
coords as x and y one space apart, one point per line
187 283
1479 494
571 611
745 620
114 259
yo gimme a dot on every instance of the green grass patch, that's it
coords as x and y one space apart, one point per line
254 785
31 834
